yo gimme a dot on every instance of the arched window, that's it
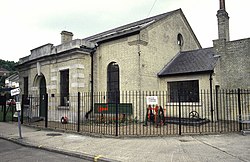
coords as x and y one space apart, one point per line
113 86
180 41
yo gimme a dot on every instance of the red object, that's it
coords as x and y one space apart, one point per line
156 109
11 102
101 109
64 120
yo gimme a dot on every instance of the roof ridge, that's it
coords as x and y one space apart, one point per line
197 49
134 25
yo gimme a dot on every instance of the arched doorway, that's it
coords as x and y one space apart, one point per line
113 83
40 83
42 94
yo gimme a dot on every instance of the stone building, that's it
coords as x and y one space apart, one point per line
125 58
233 67
226 64
154 54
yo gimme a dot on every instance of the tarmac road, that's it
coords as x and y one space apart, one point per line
12 152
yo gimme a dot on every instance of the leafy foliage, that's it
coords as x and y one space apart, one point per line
8 65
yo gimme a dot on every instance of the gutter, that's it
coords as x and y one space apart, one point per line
184 73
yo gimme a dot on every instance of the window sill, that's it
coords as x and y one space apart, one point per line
63 107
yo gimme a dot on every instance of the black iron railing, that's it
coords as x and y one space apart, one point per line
147 113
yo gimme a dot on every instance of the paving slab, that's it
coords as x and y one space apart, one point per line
222 147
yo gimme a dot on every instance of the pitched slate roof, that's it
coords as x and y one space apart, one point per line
14 77
195 61
128 29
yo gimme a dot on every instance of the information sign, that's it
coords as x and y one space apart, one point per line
18 106
14 92
152 100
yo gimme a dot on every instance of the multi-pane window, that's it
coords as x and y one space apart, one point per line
113 83
64 87
185 91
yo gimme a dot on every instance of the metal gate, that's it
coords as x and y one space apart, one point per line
7 109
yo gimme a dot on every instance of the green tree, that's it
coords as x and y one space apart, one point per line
8 65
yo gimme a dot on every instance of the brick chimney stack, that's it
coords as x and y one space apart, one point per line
222 5
66 36
223 22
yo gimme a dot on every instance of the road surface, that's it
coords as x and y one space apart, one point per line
11 152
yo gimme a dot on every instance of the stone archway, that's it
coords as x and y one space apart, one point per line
40 83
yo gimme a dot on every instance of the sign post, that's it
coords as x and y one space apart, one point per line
16 92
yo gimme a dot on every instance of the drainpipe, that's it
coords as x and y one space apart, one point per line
211 96
92 83
139 61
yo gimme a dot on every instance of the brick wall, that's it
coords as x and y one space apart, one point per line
234 64
140 57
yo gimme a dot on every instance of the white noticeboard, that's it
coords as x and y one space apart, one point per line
18 106
152 100
14 92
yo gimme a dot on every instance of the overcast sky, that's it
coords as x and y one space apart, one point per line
27 24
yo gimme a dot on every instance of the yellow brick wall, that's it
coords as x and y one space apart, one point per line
140 57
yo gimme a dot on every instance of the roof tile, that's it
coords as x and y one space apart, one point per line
129 28
201 60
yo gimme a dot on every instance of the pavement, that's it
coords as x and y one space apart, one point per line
231 147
